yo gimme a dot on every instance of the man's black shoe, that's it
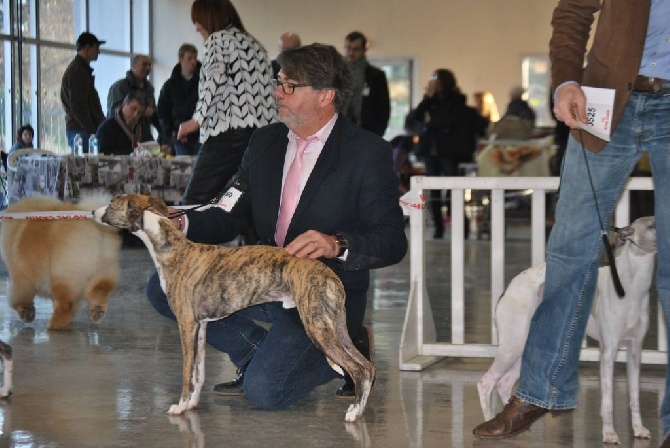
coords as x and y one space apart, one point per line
365 344
233 387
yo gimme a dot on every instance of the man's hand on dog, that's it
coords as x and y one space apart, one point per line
313 244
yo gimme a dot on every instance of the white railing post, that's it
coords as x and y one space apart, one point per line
419 326
419 347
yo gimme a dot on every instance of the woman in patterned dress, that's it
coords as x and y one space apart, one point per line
235 96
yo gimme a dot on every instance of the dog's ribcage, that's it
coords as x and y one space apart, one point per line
220 280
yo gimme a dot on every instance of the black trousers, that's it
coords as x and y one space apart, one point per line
219 158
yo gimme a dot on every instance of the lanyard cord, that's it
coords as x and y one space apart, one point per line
608 249
185 211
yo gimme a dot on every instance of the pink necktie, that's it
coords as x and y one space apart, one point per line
289 196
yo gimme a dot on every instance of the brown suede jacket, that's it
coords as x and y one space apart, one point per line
614 58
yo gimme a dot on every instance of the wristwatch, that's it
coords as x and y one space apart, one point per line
341 243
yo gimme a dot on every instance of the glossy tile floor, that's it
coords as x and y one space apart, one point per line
109 385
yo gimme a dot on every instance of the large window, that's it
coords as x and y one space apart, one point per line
536 80
399 74
37 44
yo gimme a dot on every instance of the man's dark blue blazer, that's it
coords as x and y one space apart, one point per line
352 190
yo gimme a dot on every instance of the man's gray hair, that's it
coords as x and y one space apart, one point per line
136 95
321 67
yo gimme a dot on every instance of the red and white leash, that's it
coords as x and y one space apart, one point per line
52 215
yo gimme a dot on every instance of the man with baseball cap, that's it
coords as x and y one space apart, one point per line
83 112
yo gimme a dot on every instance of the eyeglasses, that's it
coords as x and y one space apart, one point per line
287 87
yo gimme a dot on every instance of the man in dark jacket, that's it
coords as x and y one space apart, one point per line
177 100
136 79
370 106
346 215
83 112
121 133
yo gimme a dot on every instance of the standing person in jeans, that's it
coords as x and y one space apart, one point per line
323 188
235 97
83 112
177 100
630 55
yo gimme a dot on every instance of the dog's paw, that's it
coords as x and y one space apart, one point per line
641 432
26 313
5 392
610 437
353 413
177 409
96 313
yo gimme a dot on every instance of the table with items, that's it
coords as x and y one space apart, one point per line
68 177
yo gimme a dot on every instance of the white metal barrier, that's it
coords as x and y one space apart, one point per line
419 347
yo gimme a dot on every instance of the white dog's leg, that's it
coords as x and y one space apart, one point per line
513 315
485 387
633 370
608 351
507 382
499 376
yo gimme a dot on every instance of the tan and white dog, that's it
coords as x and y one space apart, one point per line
65 260
61 260
206 282
613 320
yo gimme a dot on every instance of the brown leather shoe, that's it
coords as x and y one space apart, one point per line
516 417
666 442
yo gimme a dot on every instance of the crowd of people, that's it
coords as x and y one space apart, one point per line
317 119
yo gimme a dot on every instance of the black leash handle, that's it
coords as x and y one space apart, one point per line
618 287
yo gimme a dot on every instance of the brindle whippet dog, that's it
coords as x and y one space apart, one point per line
206 282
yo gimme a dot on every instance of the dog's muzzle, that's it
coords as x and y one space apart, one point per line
98 214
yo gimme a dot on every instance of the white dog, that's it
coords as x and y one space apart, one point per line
613 320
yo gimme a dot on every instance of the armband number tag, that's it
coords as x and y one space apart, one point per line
229 199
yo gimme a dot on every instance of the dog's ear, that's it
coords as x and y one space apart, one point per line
135 216
623 234
157 205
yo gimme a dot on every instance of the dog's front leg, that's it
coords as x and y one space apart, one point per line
608 352
633 371
187 331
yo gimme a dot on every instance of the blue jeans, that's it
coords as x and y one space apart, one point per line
285 365
549 373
